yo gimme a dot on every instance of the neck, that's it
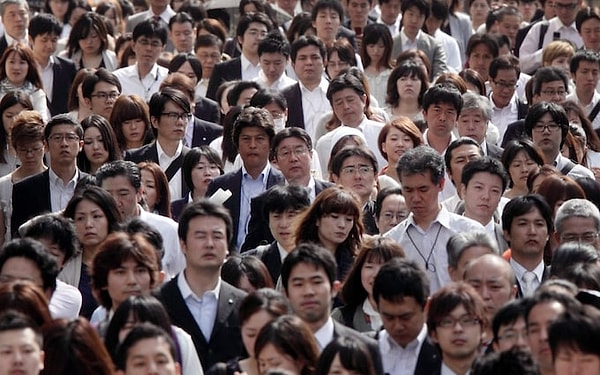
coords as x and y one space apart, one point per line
130 145
425 221
409 106
411 35
144 69
158 10
88 254
254 172
202 280
483 220
42 60
550 157
198 194
528 262
312 85
64 172
391 170
315 326
585 97
168 146
438 143
460 366
300 181
328 245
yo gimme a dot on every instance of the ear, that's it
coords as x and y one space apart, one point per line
335 288
81 142
433 335
452 273
442 183
87 101
139 194
514 291
240 40
183 247
506 235
154 122
335 178
463 190
161 277
177 368
556 237
42 358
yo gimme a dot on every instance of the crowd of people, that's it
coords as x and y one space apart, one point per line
300 187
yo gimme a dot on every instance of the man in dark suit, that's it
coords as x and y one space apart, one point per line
292 151
253 133
401 290
197 300
56 73
252 27
50 191
207 110
308 280
170 112
527 242
15 18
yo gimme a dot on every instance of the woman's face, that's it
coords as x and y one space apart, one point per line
129 324
186 68
129 279
408 87
367 275
111 17
93 146
271 358
202 174
251 327
574 118
519 169
335 65
134 131
479 9
376 51
76 15
149 185
59 8
91 223
90 45
561 62
396 144
333 228
16 68
8 116
337 368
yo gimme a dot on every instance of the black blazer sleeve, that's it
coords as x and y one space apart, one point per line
258 226
64 72
207 110
30 197
205 132
293 96
224 71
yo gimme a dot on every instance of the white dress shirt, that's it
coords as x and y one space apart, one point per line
450 45
313 104
61 193
394 28
324 335
203 308
427 247
398 360
407 43
249 70
281 83
588 108
577 171
47 76
144 87
519 271
165 161
502 117
65 302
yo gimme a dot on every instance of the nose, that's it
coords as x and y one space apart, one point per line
89 222
131 277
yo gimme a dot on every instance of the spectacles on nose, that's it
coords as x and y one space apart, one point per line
551 127
465 321
106 95
69 137
174 116
588 237
362 170
554 92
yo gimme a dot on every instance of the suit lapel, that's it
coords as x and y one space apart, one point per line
181 315
226 306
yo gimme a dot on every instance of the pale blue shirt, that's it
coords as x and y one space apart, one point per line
203 308
250 188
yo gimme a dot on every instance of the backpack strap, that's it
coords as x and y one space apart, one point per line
567 168
594 113
174 167
543 31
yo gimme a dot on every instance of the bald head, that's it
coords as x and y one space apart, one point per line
493 278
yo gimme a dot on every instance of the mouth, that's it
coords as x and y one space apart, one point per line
459 342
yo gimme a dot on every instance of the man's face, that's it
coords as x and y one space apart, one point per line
349 106
255 32
44 45
412 21
281 225
309 64
390 10
569 360
15 20
209 57
357 174
528 235
548 140
21 268
147 50
403 319
490 276
460 157
482 195
480 59
528 9
467 255
586 76
273 65
511 335
183 36
358 11
576 228
124 193
503 86
421 193
393 211
509 26
253 147
327 23
20 352
590 33
294 160
54 249
310 292
129 279
566 10
167 128
103 98
151 356
554 92
205 246
539 319
441 118
459 340
63 145
472 124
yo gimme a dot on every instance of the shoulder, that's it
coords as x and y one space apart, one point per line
207 124
33 180
161 222
460 223
231 291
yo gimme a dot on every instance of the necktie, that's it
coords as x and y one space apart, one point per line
528 286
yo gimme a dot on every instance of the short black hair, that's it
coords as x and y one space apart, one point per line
203 208
35 252
456 144
248 18
151 28
55 228
513 361
576 330
420 160
445 93
100 75
180 17
236 90
548 74
281 198
422 5
161 98
310 253
484 164
118 168
44 23
583 55
350 151
11 320
309 40
291 132
382 194
521 205
334 5
274 42
489 41
572 253
401 278
509 314
253 117
62 119
142 331
556 111
503 63
264 97
345 81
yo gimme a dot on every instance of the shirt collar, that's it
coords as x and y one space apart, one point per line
186 290
161 153
10 40
51 62
323 85
520 270
443 218
406 39
165 15
324 335
54 179
247 63
512 104
390 343
264 174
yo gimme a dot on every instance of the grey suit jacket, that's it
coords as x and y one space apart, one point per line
461 29
432 48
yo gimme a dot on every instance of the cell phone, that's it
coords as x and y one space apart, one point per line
358 30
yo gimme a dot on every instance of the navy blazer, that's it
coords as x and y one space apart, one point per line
232 181
293 96
207 110
205 132
429 361
150 153
225 71
225 340
258 226
31 197
64 73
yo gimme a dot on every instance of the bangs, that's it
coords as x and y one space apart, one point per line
342 203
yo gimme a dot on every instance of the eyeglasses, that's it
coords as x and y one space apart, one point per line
287 153
551 127
32 150
152 43
588 237
174 116
362 170
106 95
506 85
554 92
465 321
69 137
565 6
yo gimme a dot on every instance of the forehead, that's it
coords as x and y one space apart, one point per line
252 131
576 223
117 182
62 128
416 179
182 25
486 177
351 160
309 50
257 26
585 64
207 222
171 106
392 199
16 265
465 150
344 93
481 48
307 270
15 7
19 336
487 268
291 142
545 311
105 86
553 85
327 11
533 214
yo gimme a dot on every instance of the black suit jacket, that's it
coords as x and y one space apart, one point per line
64 72
430 359
293 95
494 151
516 130
258 226
150 153
226 340
229 70
3 45
205 132
177 207
207 110
31 197
270 258
232 181
340 330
